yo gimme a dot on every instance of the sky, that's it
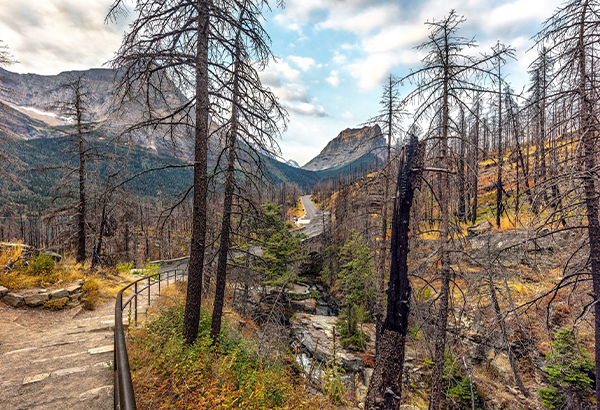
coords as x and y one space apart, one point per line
333 56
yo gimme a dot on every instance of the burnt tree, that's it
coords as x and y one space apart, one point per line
385 388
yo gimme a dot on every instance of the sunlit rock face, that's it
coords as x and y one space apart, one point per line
349 145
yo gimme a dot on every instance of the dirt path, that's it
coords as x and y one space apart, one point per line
56 360
60 360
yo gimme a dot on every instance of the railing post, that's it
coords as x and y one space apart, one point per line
149 291
159 274
135 308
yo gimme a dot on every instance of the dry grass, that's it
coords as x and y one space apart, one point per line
42 272
232 375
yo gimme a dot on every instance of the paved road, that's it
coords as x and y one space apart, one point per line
315 227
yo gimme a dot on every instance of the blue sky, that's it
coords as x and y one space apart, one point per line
333 55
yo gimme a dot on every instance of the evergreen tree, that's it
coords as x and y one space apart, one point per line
356 279
570 370
281 248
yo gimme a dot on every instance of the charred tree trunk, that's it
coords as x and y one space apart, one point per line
198 243
475 167
385 388
96 256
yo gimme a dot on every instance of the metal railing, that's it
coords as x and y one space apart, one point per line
124 398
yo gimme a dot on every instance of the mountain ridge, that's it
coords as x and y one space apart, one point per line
348 146
29 112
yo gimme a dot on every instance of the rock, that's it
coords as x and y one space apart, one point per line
311 331
73 289
14 299
306 305
480 228
37 299
59 294
33 291
3 291
53 255
60 303
367 374
75 296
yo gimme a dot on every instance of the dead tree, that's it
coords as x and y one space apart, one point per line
84 149
441 86
385 388
164 57
253 125
570 37
390 116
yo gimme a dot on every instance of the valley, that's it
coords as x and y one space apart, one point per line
300 205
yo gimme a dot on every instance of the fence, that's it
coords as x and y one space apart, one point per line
124 398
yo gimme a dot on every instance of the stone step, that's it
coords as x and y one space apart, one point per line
61 389
77 355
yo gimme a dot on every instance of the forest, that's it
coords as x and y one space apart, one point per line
460 266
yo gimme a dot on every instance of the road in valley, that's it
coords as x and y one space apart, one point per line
315 226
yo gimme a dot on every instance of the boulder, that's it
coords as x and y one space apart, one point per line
59 294
36 299
14 299
3 291
75 296
53 255
480 228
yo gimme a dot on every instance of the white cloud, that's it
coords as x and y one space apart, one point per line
304 63
333 78
339 58
51 36
360 22
304 108
288 85
348 115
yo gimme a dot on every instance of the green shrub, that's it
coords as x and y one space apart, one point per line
458 387
41 266
550 397
123 268
569 369
333 386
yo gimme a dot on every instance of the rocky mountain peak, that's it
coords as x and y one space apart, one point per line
349 145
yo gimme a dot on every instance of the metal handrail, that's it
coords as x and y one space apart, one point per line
124 398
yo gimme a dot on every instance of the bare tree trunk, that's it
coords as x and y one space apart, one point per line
380 280
591 196
474 167
196 264
227 202
82 199
499 188
461 170
500 319
385 388
442 319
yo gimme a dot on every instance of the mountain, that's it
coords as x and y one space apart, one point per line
29 115
349 146
292 163
36 95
